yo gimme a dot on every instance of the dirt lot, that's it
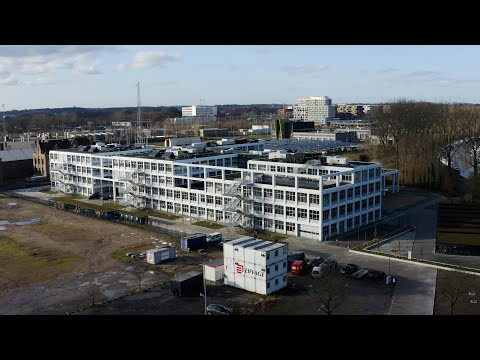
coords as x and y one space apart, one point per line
47 263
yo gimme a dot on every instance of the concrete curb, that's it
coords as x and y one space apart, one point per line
440 266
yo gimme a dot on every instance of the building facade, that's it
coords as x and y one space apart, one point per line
41 165
199 111
285 113
349 112
317 199
346 136
314 108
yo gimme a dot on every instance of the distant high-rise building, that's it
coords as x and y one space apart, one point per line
318 109
349 112
285 113
199 111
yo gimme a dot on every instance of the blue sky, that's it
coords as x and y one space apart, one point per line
40 76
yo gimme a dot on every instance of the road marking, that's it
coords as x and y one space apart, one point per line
393 299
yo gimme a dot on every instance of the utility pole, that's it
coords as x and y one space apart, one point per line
139 121
3 118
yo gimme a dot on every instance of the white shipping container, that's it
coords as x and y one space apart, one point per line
261 286
229 265
239 281
228 246
214 270
251 249
229 279
255 275
250 284
239 249
156 256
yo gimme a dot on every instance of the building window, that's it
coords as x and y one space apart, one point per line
326 215
267 193
279 225
290 195
314 199
341 211
268 223
334 197
334 213
218 200
279 210
314 215
290 226
193 197
278 194
342 195
349 209
290 211
276 281
302 213
209 199
302 198
268 208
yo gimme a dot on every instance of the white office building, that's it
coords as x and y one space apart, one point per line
199 111
301 194
314 108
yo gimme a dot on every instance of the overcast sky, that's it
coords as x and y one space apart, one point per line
48 76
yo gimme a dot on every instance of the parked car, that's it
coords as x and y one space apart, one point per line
217 309
349 269
360 273
376 275
314 262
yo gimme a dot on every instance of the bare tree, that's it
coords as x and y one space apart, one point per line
139 270
330 291
454 285
94 292
450 128
472 139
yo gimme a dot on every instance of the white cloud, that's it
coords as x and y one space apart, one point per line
121 67
149 59
305 69
38 82
7 79
264 49
87 69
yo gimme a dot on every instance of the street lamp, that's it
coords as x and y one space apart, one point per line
204 256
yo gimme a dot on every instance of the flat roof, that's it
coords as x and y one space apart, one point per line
215 263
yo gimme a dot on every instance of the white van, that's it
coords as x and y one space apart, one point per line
214 237
327 265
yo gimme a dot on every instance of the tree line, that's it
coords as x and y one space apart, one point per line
415 136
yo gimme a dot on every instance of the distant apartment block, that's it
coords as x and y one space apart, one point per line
214 132
199 111
40 155
326 135
349 112
318 109
285 113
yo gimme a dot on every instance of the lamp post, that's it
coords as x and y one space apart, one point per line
204 256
